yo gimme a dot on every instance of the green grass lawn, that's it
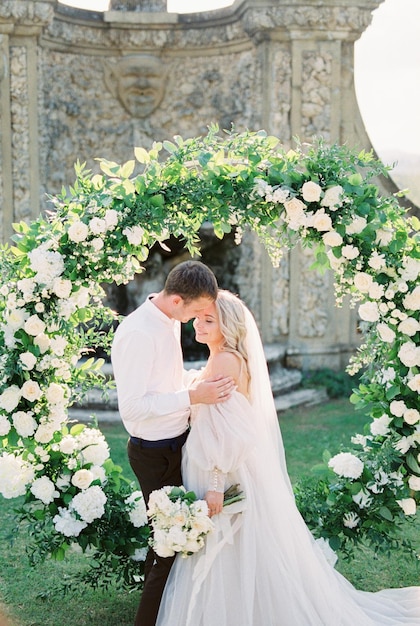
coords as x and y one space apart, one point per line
28 594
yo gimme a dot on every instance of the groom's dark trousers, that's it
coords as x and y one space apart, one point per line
155 464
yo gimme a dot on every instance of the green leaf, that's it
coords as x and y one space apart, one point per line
386 513
355 179
127 169
142 155
413 464
77 429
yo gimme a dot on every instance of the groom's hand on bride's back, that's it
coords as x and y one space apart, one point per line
213 390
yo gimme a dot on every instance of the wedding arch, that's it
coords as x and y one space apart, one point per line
102 228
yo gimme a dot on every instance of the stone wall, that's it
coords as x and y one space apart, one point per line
78 85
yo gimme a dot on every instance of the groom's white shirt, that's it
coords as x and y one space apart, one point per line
148 368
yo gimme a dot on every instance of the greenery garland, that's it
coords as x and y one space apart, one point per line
101 229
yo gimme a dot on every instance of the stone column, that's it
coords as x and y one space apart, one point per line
21 23
306 53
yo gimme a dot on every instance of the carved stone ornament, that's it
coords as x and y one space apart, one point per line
138 81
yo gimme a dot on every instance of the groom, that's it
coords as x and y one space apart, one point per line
153 399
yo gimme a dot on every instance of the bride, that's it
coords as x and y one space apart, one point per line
261 565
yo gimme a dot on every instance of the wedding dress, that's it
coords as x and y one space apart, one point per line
261 566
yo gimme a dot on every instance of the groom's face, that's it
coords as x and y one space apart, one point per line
185 311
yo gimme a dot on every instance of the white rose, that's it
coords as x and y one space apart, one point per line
332 239
279 195
414 483
97 225
82 479
24 423
44 489
321 221
55 393
81 297
350 252
311 192
97 244
44 433
380 425
31 390
347 465
96 454
332 197
409 354
386 333
5 425
295 213
384 236
411 416
134 235
111 218
10 398
335 262
397 408
58 345
34 326
409 326
411 269
16 318
369 311
15 474
78 232
43 342
376 291
363 281
357 225
414 383
62 287
68 444
412 300
28 360
377 261
408 505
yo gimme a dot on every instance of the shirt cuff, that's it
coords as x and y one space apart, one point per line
183 399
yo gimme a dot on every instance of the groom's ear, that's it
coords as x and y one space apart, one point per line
176 300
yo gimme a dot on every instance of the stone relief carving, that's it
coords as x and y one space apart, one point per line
316 94
138 81
20 126
313 298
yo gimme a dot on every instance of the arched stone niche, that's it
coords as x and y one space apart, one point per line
79 84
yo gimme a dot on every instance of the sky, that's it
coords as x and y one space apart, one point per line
387 69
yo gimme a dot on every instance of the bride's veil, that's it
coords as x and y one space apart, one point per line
269 440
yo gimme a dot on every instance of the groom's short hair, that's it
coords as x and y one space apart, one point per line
191 280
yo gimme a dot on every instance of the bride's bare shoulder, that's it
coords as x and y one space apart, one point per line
227 364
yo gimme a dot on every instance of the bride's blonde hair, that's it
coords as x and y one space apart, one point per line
233 326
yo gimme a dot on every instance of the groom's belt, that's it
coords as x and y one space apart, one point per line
174 442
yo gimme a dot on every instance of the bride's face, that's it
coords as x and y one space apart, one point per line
207 327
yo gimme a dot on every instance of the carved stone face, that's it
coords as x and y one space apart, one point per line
138 81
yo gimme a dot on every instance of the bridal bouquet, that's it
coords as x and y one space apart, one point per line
180 521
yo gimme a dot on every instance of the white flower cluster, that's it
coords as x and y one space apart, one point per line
347 465
179 523
137 509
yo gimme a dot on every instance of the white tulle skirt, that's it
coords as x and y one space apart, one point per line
262 567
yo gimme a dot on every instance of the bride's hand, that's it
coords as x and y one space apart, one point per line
213 390
214 501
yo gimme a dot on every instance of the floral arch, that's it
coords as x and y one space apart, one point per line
100 231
